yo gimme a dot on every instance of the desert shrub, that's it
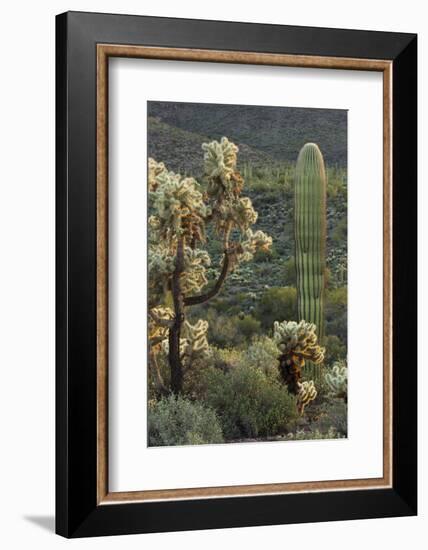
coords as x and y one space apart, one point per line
337 296
162 363
302 435
290 271
249 403
335 349
231 330
222 330
336 312
248 326
340 232
332 414
179 421
336 187
268 257
225 359
276 304
262 354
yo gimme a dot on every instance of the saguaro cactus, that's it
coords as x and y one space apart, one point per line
310 237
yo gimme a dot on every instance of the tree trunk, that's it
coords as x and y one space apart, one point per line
175 331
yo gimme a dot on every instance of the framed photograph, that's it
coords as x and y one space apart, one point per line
236 274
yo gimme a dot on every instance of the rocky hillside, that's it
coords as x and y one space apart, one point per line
181 150
277 132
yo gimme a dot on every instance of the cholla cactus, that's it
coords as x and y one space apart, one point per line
253 242
337 380
180 210
178 263
194 344
298 338
155 168
161 266
229 209
194 276
220 166
296 343
307 393
160 319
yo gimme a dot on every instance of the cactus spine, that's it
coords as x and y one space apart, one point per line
310 237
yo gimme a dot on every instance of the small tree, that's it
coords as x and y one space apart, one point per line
178 261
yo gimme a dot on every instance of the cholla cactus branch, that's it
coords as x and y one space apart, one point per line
178 202
193 277
195 300
194 344
298 338
254 242
220 166
155 168
160 320
307 393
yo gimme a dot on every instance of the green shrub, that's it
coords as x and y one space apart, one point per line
178 421
332 414
231 330
222 330
262 354
335 350
290 271
277 304
225 359
247 326
340 232
249 403
336 312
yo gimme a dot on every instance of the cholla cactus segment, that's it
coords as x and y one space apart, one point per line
154 226
196 338
307 393
243 212
194 276
237 211
220 166
160 261
253 242
299 339
337 379
178 203
161 265
158 324
155 168
194 344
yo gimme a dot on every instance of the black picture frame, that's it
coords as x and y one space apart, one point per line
77 511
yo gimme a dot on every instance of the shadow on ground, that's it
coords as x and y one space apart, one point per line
45 522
